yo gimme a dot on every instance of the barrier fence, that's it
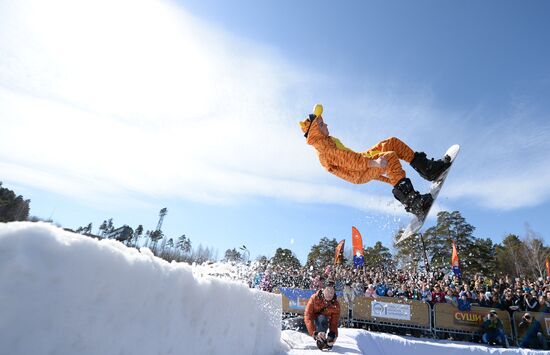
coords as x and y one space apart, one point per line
413 314
393 312
449 319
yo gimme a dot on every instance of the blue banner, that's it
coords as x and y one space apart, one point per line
297 297
456 271
358 261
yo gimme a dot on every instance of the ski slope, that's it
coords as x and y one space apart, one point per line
64 294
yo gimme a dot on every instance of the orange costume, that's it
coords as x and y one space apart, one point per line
317 305
354 167
380 162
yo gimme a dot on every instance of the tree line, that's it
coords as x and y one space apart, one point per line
516 256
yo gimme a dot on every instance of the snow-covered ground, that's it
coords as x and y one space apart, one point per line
354 341
64 294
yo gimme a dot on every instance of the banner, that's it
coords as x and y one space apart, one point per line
357 248
547 266
390 310
297 298
338 255
454 261
356 241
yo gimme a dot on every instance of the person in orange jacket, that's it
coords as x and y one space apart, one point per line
322 313
381 162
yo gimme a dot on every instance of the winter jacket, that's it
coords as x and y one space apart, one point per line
464 305
381 290
317 305
353 166
530 338
531 305
492 326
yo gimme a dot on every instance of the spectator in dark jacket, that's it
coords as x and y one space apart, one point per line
464 303
507 303
492 330
532 338
486 300
544 304
531 303
381 290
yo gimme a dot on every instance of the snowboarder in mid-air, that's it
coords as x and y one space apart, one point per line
381 162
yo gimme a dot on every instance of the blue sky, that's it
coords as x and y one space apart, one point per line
117 109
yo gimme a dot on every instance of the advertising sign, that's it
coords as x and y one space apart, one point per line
391 310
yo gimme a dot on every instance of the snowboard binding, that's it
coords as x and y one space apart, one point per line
430 169
414 202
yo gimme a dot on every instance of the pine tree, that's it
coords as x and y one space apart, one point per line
13 207
138 232
232 255
184 244
450 227
482 256
322 254
104 227
378 256
286 259
155 236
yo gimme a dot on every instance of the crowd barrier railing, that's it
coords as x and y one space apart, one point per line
414 314
390 311
449 319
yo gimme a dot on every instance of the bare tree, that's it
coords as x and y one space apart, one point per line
535 253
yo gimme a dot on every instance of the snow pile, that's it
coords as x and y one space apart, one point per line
62 293
356 341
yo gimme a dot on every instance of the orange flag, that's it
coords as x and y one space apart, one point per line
356 242
338 257
547 265
454 261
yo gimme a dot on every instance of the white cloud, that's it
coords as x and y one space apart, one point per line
122 99
107 99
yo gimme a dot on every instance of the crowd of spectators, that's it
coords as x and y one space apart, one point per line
494 292
501 292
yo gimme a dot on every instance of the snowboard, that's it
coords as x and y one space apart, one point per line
417 222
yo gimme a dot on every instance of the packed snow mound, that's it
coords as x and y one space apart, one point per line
358 341
63 293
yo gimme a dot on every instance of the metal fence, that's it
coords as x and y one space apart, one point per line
405 315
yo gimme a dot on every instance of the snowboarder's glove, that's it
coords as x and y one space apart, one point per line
319 336
378 163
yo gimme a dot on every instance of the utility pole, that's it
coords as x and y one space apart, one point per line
158 232
162 213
